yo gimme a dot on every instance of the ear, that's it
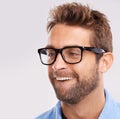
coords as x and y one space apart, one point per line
106 62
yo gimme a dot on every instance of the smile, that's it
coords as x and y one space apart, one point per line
63 78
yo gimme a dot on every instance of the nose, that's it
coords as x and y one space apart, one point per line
59 63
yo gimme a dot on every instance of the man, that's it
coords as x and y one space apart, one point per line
78 53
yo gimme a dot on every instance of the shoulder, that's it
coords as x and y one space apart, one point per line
111 108
46 115
54 113
116 111
118 107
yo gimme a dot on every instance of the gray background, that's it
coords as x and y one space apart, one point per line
25 90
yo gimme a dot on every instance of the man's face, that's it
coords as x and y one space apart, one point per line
72 82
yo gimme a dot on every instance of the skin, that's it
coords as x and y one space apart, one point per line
87 100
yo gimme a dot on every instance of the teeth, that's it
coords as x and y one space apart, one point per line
63 78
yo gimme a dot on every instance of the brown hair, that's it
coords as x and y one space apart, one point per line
81 15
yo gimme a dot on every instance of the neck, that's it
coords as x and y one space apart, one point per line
89 108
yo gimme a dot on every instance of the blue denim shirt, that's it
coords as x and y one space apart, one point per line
111 110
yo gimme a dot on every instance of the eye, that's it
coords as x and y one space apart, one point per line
50 53
73 54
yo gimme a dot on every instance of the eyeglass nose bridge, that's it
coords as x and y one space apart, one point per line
59 51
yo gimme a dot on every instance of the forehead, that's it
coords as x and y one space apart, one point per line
62 35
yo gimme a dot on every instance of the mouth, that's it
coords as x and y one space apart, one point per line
63 78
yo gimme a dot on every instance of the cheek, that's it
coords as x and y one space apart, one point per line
84 69
49 70
88 62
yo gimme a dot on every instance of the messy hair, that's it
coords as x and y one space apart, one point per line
76 14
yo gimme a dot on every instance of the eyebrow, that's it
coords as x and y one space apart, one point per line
49 46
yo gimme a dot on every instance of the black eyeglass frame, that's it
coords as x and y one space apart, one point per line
82 48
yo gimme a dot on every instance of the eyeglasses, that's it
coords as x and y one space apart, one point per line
70 54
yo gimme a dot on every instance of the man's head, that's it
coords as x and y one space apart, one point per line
75 14
78 51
